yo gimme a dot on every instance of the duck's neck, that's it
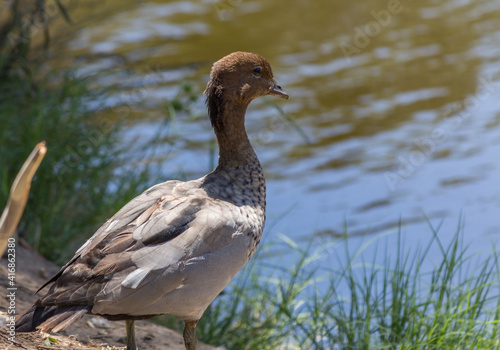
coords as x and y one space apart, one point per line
235 149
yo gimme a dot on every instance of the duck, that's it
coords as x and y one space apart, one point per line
175 247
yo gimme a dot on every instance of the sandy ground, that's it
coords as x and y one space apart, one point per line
89 333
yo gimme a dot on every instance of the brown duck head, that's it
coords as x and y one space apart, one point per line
235 80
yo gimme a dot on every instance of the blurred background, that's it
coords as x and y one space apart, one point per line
398 102
392 122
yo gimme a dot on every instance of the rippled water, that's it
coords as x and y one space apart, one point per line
400 102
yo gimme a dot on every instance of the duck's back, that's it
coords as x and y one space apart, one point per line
171 250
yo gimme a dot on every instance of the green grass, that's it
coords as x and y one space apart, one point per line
405 302
82 180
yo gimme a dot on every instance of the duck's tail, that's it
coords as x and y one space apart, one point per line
49 318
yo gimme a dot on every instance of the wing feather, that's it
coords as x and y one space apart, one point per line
138 255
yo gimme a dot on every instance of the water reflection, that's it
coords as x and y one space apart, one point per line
399 98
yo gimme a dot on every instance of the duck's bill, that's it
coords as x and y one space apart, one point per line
278 91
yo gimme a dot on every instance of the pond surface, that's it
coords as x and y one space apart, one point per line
399 102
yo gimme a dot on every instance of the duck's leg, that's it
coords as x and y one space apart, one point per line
190 340
131 343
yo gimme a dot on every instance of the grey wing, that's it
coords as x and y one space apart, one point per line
193 246
145 251
140 205
134 212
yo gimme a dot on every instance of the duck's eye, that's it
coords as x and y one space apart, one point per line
257 70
